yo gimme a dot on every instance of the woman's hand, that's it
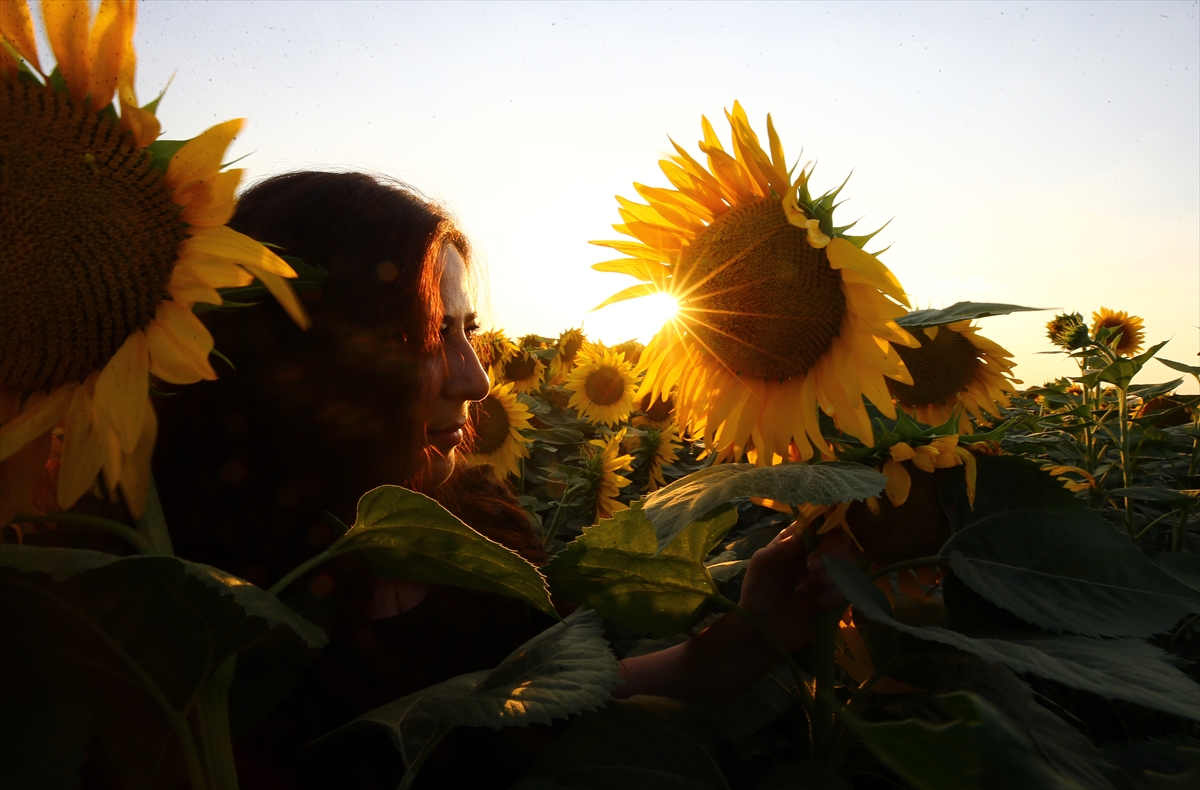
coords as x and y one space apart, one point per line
785 590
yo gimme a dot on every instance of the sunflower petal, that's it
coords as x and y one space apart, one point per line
16 27
844 255
179 345
122 389
18 475
216 207
82 454
106 50
632 292
135 479
38 417
200 158
225 242
284 294
67 23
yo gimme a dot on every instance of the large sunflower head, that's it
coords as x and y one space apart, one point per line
781 312
603 463
1128 326
954 366
109 239
523 369
602 386
497 423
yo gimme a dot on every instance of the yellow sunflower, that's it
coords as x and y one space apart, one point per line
109 240
954 365
568 346
655 413
524 370
492 347
780 311
496 425
631 350
604 467
1130 327
602 386
662 448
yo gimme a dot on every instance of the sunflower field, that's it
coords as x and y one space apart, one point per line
1022 610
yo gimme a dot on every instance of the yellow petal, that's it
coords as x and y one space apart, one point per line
67 24
135 481
286 297
38 417
188 289
225 242
632 292
106 50
179 345
213 272
218 201
200 158
844 255
18 475
901 451
82 454
122 390
16 27
968 459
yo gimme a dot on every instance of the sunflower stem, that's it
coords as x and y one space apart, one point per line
123 531
212 715
825 725
1126 459
298 571
153 524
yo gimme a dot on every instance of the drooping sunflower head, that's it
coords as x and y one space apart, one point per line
780 311
566 348
109 239
1128 326
655 412
954 366
524 370
497 423
603 463
1067 331
602 386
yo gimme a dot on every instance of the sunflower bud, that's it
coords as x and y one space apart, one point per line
1068 331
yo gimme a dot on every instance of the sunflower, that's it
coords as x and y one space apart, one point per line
1067 331
492 347
603 467
1130 327
781 312
524 370
602 386
109 239
631 350
954 365
655 413
567 347
496 425
660 448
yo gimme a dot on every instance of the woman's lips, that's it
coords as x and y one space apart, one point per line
445 439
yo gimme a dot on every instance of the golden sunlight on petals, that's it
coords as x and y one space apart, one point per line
200 158
67 24
225 242
106 50
284 294
218 204
179 346
186 288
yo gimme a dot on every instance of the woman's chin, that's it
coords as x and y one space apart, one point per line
439 469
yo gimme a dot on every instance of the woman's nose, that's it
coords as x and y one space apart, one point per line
466 380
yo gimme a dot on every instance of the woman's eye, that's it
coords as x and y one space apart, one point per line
472 330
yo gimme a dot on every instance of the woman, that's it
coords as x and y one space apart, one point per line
258 469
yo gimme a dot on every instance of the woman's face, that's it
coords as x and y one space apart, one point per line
454 377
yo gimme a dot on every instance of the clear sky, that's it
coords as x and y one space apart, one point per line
1045 154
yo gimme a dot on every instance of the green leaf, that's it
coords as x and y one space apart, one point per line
1148 494
1126 669
567 669
558 436
1181 367
1068 573
1120 372
959 311
406 535
643 742
978 749
122 645
161 152
672 508
613 568
997 480
1183 567
1151 391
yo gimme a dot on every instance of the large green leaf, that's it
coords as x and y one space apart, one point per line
672 508
122 645
1068 573
613 568
959 311
980 749
410 536
1126 669
1121 371
642 742
1005 483
566 669
1182 367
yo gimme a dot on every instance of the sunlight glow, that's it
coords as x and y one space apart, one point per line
634 319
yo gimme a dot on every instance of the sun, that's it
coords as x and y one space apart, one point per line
640 320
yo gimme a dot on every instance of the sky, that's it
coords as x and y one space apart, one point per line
1043 154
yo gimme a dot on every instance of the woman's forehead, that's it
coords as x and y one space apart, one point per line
456 297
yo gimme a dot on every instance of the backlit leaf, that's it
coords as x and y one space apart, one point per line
959 311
